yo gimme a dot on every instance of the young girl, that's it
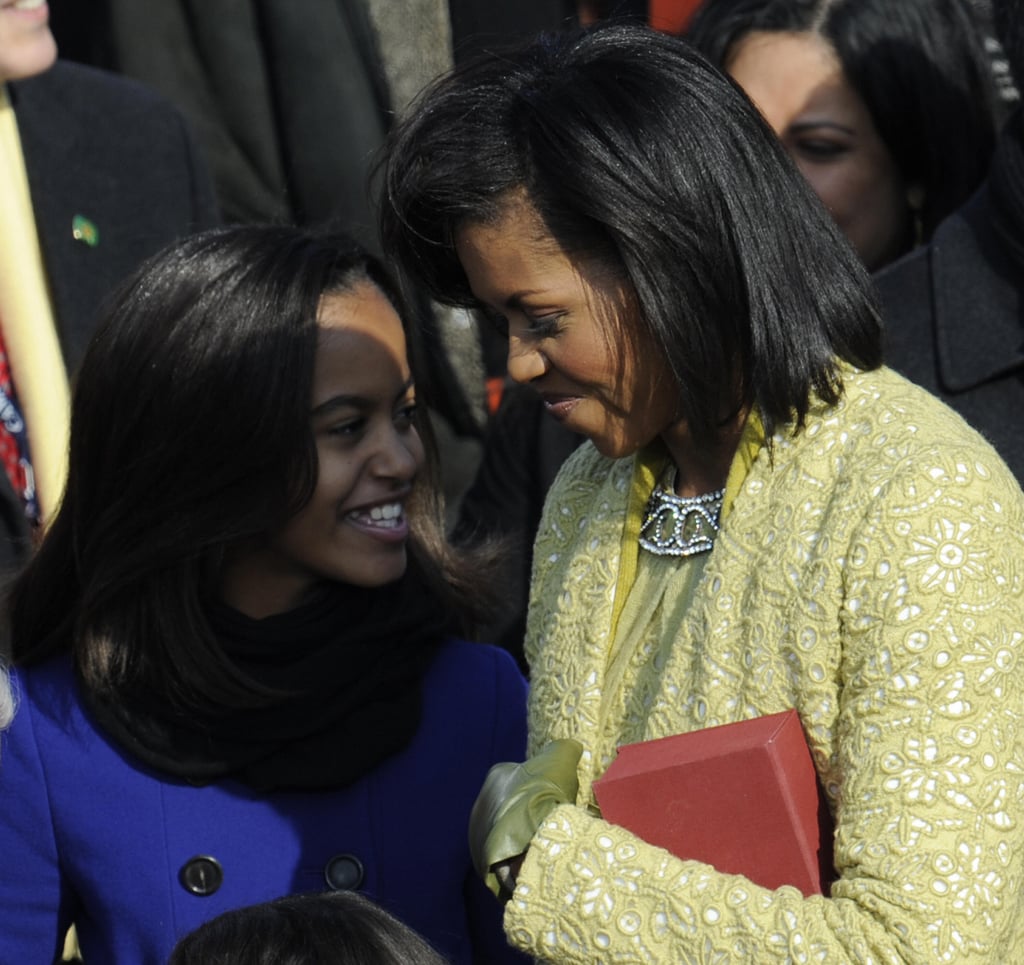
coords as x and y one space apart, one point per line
234 648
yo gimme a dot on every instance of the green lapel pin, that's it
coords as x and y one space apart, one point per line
82 229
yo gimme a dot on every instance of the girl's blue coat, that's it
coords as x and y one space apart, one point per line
90 836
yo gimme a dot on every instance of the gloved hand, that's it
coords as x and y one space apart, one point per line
514 801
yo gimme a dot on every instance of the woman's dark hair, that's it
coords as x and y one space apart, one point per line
333 928
919 66
635 151
190 434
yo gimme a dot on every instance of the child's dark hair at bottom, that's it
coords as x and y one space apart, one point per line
331 928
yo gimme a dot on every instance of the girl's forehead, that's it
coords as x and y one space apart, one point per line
361 348
364 307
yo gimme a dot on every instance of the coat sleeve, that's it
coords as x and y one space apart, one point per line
36 902
930 771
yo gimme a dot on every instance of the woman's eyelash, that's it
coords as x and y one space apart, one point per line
541 327
546 325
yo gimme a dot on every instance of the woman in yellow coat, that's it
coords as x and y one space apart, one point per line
765 517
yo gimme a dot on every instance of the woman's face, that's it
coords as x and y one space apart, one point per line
566 320
798 83
354 529
26 45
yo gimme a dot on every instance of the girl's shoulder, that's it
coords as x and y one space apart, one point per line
475 694
49 690
467 664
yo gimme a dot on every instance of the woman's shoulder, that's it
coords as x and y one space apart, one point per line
587 480
883 413
887 439
586 465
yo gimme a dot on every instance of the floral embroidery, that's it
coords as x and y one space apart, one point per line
946 557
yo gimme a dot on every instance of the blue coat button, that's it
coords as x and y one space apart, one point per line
344 872
201 875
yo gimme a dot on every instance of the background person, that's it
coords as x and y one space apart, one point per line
100 173
953 309
763 518
888 109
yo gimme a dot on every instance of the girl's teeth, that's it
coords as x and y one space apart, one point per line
388 516
28 4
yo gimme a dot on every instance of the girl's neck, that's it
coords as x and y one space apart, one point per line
249 585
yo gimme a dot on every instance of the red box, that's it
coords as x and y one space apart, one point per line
742 797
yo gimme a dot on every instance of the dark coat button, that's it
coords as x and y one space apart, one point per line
201 875
344 872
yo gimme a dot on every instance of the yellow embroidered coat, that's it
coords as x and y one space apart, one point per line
870 573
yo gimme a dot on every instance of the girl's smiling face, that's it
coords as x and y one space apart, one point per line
797 82
354 529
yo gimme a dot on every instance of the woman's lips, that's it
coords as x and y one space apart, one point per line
560 406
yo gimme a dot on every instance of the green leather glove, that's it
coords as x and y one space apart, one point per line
514 801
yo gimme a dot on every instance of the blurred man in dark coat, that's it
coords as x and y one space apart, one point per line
954 310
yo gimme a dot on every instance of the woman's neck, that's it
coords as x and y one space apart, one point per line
703 467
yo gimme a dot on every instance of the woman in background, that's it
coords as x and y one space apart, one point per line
236 648
889 109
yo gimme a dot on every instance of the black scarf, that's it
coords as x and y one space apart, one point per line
1006 185
350 663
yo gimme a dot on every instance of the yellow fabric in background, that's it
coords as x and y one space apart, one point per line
26 317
